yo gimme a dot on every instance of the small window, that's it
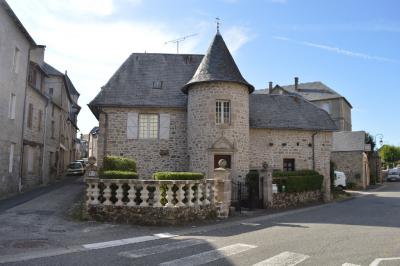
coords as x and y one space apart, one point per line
157 84
11 159
11 109
40 115
148 126
30 113
288 165
51 92
16 60
222 112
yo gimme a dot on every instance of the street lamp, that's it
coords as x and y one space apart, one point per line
381 138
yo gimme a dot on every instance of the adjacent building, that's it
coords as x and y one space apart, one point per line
93 137
185 112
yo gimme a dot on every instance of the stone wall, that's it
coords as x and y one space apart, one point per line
151 155
351 163
273 145
150 215
206 138
286 200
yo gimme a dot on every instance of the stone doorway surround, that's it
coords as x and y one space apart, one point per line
221 147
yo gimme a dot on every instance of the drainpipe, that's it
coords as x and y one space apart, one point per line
313 149
21 164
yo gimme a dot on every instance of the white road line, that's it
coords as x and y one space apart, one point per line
350 264
379 260
126 241
283 259
250 224
209 256
162 248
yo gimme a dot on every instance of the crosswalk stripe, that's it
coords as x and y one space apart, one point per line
209 256
283 259
350 264
162 248
127 241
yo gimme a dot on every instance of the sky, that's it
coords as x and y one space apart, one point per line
353 46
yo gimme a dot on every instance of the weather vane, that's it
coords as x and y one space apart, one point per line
217 21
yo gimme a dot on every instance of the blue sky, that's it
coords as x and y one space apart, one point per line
350 45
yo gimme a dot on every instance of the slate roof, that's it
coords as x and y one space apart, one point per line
218 65
95 131
51 70
312 91
287 112
132 84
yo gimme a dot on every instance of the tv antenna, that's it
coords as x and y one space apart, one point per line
177 41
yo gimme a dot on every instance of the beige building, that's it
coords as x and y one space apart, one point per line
15 45
92 146
40 111
321 95
180 112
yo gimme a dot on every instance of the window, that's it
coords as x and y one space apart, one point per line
16 60
11 109
32 76
326 107
30 158
222 112
288 165
52 129
51 92
11 160
148 126
157 84
40 120
30 113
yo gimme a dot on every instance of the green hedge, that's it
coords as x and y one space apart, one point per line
115 174
294 173
177 176
304 183
118 163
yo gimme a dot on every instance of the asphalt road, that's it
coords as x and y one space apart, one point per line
360 231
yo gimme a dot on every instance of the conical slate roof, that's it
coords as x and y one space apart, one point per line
217 65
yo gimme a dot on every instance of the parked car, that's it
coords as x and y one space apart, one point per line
81 161
340 179
393 174
75 168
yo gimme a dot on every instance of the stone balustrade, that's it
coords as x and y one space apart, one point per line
152 193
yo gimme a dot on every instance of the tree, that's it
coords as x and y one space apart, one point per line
369 139
390 154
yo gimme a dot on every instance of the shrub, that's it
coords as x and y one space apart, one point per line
116 174
294 173
304 183
177 176
118 163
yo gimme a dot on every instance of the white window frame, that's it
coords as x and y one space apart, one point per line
11 158
148 129
11 108
223 112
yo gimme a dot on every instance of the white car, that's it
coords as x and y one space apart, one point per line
75 168
393 174
340 179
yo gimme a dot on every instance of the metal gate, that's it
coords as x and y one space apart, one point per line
243 197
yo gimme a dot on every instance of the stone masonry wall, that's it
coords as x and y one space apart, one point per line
203 131
148 153
351 163
273 145
286 200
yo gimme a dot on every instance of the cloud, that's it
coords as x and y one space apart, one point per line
337 50
236 37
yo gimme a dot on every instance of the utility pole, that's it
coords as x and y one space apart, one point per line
177 41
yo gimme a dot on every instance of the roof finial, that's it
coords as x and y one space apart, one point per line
217 21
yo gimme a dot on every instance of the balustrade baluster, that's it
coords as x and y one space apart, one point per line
199 194
206 193
131 195
157 196
107 194
89 194
190 195
170 196
180 195
119 195
144 196
95 194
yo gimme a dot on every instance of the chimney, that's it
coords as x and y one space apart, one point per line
296 83
270 85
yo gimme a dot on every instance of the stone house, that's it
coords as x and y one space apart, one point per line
93 137
349 153
15 43
39 126
185 112
338 107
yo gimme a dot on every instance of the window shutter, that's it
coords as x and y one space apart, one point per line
132 126
164 126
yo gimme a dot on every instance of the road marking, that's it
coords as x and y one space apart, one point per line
250 224
283 259
127 241
162 248
209 256
378 260
350 264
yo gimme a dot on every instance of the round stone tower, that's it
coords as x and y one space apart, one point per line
218 113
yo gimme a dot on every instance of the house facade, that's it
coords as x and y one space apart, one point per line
92 142
180 112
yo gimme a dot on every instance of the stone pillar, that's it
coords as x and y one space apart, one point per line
224 187
266 175
91 169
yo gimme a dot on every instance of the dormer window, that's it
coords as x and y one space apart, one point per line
157 84
222 112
